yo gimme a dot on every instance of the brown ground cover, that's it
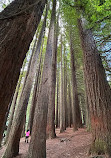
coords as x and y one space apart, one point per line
66 145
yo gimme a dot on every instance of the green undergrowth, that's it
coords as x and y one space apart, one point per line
100 147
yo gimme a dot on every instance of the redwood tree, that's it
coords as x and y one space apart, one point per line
69 107
18 121
37 147
18 23
99 94
51 106
13 105
75 101
35 94
57 102
62 107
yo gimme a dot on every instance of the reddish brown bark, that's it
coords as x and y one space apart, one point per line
18 120
99 94
18 23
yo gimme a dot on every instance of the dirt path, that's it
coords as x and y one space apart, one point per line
67 145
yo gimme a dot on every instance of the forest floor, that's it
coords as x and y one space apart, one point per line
66 145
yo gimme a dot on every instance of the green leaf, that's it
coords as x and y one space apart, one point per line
4 6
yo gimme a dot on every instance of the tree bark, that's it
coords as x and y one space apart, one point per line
15 133
12 109
77 121
62 108
88 121
51 106
37 147
65 87
57 75
18 23
35 95
69 111
23 129
4 125
57 80
99 94
59 96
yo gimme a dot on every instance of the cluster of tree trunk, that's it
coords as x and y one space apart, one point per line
55 101
18 25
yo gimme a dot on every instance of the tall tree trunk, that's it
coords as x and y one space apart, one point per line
23 129
37 147
57 75
29 64
35 95
59 97
62 108
88 122
77 121
4 125
13 104
12 109
65 87
57 80
35 90
15 133
99 94
69 106
51 106
66 101
18 23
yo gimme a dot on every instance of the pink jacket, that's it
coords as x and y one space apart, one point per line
28 133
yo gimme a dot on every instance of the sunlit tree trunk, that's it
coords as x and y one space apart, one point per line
57 102
51 106
35 94
37 147
65 87
57 71
59 96
62 107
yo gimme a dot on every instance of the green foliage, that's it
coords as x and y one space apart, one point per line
98 14
95 10
4 5
99 147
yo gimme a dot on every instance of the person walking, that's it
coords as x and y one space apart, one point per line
27 136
